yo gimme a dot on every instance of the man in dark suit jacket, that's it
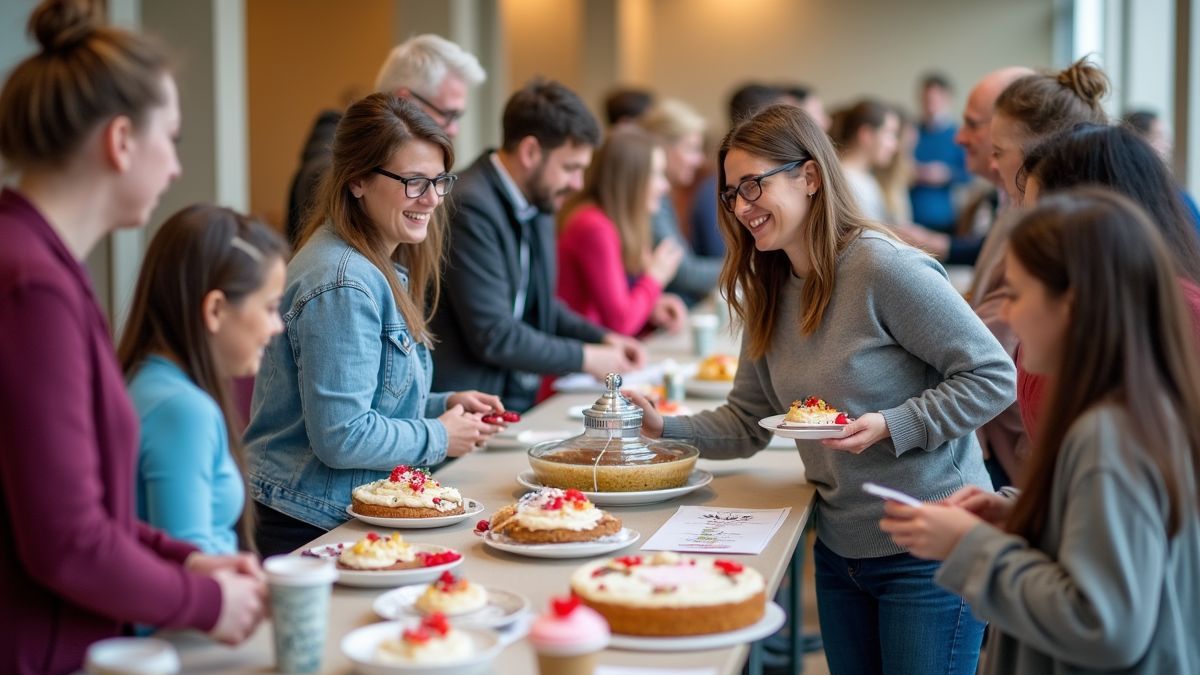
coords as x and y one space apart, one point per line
499 326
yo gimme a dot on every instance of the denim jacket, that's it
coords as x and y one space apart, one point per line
343 395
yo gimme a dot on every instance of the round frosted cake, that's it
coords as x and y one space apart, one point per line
433 641
553 516
407 493
667 594
813 410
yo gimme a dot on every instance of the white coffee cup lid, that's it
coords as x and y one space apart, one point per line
131 656
704 320
299 570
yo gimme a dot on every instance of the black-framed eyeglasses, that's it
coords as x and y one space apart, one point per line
417 185
751 188
448 116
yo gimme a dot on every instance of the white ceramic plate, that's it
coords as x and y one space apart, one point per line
387 578
698 479
579 549
360 646
808 432
502 608
471 508
718 389
772 621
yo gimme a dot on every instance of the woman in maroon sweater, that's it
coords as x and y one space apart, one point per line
75 565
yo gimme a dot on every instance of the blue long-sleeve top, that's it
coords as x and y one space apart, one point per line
188 483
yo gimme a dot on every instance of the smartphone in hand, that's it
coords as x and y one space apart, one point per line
890 494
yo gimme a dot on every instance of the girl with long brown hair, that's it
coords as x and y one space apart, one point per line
345 396
89 122
205 307
1094 566
608 270
832 306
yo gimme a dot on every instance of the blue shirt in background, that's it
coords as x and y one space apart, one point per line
932 205
187 482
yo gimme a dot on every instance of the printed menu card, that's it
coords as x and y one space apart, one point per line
715 529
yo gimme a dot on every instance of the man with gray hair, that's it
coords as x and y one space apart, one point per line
429 70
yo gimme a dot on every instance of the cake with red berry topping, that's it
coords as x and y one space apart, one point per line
375 553
432 641
451 596
667 594
553 516
408 492
813 410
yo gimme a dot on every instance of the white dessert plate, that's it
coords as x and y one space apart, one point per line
771 621
384 578
698 479
804 432
360 646
718 389
470 508
575 549
502 608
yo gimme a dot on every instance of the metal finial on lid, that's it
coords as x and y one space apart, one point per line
612 410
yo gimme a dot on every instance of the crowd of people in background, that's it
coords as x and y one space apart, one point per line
1047 414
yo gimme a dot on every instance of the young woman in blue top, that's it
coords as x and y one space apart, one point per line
205 307
344 397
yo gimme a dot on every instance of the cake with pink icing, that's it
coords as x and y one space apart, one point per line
667 594
568 637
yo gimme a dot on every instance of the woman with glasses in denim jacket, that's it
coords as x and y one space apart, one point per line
833 306
344 396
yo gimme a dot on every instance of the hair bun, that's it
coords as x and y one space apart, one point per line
62 25
1087 80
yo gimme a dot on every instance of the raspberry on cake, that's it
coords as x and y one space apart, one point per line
408 492
813 410
433 640
667 594
719 367
553 516
451 596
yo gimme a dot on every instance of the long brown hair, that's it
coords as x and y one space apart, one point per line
784 134
195 252
1128 340
85 74
372 130
618 182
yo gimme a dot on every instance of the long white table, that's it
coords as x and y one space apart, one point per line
771 479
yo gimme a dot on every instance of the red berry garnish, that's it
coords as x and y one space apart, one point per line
492 419
435 559
437 500
728 566
482 526
574 495
447 578
841 419
562 607
437 623
629 560
810 401
417 635
397 472
510 416
371 536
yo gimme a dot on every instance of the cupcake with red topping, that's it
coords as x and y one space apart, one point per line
451 595
409 492
568 637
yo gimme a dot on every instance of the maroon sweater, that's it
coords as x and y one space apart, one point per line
75 564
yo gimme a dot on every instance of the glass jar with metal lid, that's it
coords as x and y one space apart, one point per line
611 455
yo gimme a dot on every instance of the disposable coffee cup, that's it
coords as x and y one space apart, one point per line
299 588
567 664
704 334
131 656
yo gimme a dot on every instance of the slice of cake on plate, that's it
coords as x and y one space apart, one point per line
375 553
553 516
409 492
813 410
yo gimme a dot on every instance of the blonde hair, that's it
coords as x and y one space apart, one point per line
671 119
618 182
783 134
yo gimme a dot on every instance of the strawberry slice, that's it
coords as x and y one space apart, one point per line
842 419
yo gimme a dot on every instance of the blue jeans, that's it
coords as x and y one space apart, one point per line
885 615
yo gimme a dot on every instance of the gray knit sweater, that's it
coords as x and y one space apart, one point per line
1104 590
896 339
